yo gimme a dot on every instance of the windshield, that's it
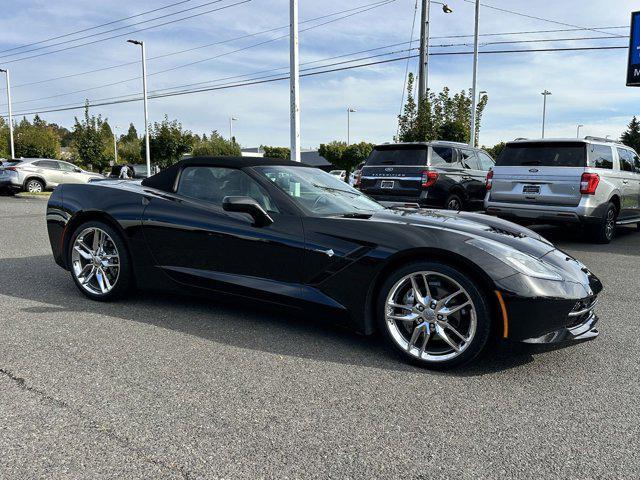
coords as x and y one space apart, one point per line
319 192
544 154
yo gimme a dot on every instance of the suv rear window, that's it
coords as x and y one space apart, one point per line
543 154
398 156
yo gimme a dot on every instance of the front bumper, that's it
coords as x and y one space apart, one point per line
583 331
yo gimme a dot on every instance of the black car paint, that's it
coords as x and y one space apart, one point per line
334 263
465 180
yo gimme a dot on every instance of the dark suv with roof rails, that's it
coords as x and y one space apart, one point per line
438 174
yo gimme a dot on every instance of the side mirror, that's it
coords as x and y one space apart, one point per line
77 170
247 205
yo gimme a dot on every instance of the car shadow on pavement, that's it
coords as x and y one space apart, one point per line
626 241
251 325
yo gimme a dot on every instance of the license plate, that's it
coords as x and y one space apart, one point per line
386 184
531 189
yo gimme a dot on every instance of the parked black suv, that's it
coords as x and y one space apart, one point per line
436 174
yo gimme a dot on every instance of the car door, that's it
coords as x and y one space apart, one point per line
71 174
635 180
50 171
629 185
473 178
196 242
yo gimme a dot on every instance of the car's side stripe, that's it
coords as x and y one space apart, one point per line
505 318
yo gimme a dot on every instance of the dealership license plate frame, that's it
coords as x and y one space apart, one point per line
387 184
531 189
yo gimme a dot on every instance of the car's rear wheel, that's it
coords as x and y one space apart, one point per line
433 315
34 185
453 202
99 261
605 229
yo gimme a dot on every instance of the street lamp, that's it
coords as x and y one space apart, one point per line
6 72
231 120
578 131
146 111
350 110
545 94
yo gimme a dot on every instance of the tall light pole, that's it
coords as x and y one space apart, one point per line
294 85
231 120
6 72
146 111
115 145
472 127
545 94
350 110
423 70
578 131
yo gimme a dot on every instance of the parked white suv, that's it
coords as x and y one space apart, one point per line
591 181
39 174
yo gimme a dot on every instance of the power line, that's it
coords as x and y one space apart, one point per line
95 27
128 33
539 18
64 77
119 82
285 77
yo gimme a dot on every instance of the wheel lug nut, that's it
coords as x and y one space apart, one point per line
440 317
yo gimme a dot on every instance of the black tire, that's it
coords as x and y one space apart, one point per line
479 301
33 185
454 202
124 282
605 229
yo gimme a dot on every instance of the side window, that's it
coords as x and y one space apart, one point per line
636 161
52 164
626 160
601 156
67 167
442 155
469 160
212 184
486 162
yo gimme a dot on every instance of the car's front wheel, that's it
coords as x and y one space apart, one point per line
99 261
433 315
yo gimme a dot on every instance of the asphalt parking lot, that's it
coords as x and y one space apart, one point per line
164 387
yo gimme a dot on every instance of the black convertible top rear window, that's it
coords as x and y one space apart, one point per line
543 154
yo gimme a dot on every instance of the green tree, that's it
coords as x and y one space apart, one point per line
90 145
5 150
496 150
276 152
132 134
355 154
168 142
37 139
129 151
631 137
453 132
437 115
332 152
215 146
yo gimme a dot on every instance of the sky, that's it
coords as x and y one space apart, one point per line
588 87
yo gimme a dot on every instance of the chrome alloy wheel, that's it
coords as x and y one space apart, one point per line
610 223
34 186
431 316
95 261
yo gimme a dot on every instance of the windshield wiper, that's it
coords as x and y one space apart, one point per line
332 189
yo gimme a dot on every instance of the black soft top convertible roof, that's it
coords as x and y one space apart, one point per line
166 179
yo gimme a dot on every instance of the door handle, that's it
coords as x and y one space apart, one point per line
625 182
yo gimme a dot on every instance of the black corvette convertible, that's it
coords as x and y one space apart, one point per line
437 284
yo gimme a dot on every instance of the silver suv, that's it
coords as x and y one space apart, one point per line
38 174
591 181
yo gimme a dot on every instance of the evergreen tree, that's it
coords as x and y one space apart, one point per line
631 137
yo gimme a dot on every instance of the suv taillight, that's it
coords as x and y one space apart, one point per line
428 178
489 181
588 183
13 169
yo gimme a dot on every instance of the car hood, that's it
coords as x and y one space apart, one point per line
471 224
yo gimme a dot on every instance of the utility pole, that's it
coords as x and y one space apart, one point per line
350 110
545 94
13 154
146 110
294 74
472 127
423 70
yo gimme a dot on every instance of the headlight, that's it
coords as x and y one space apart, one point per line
522 262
